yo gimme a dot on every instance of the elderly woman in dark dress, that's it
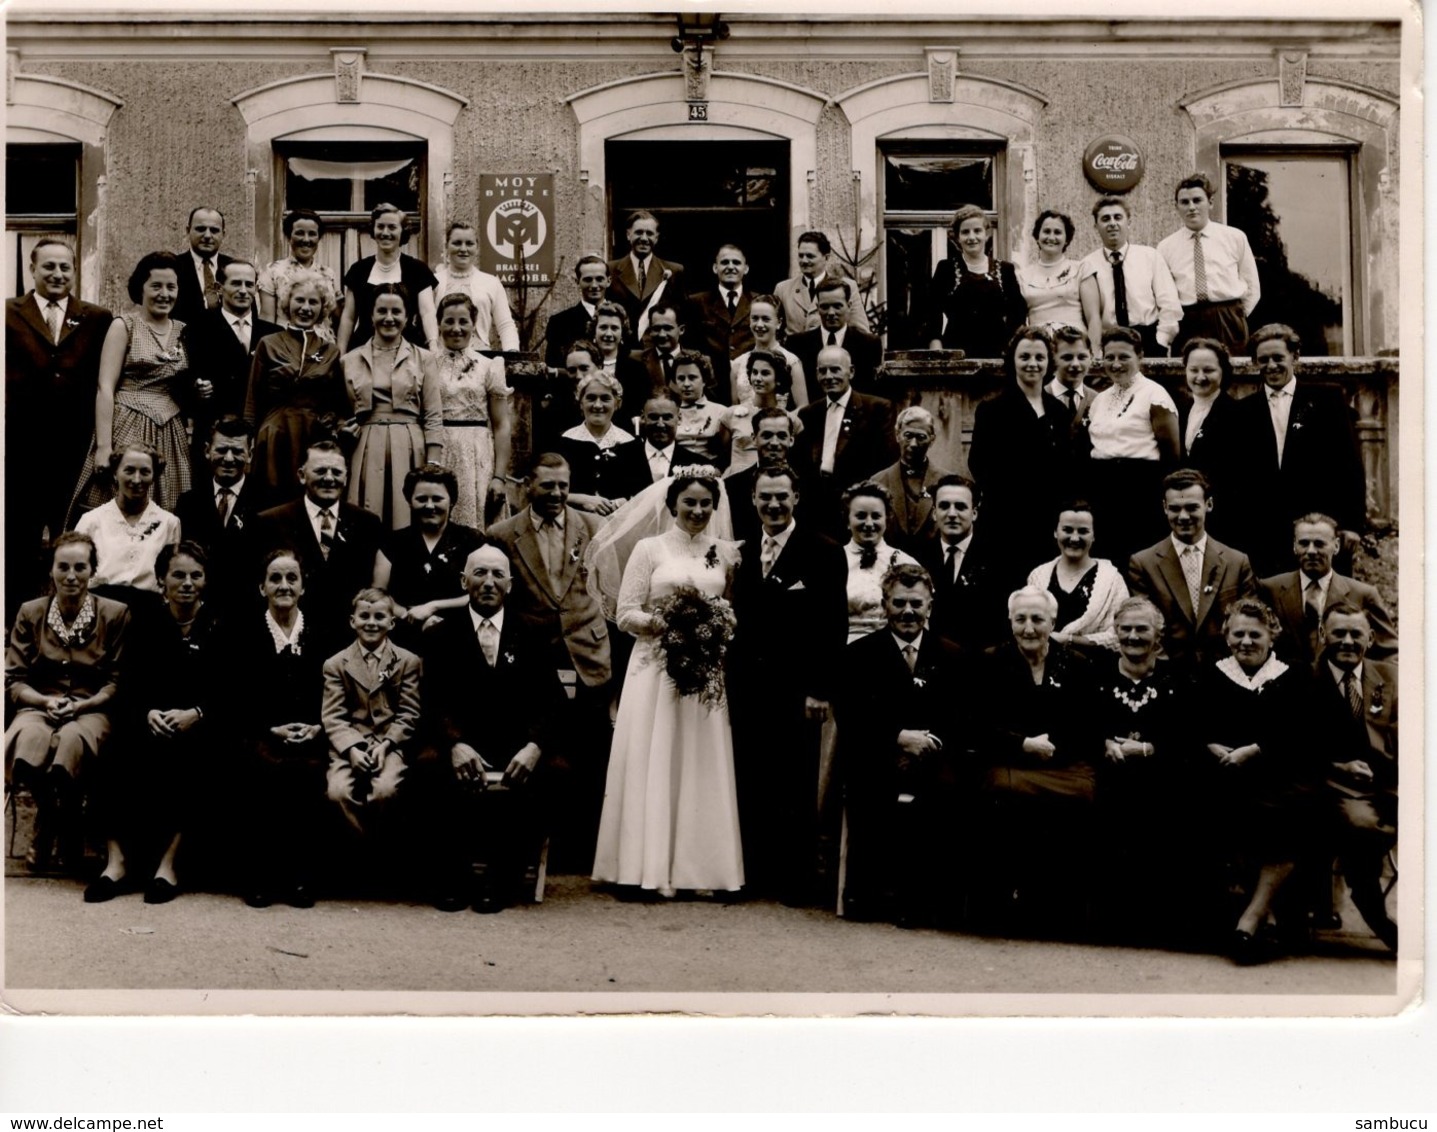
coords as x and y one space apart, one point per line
159 775
282 750
1142 837
62 672
978 293
421 565
1263 762
1021 455
1038 745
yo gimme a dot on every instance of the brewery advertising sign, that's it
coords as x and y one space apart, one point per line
517 226
1113 164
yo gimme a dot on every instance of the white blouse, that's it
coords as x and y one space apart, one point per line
127 553
1120 421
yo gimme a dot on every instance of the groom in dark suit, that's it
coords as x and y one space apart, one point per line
52 363
492 700
336 542
791 604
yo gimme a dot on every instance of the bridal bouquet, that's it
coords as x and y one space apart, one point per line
694 635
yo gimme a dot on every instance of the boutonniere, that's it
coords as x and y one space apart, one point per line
443 556
72 322
575 554
847 424
238 521
711 558
1207 589
151 529
316 357
919 682
508 658
604 454
175 355
338 532
742 410
1377 704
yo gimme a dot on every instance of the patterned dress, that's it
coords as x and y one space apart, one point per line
470 383
154 377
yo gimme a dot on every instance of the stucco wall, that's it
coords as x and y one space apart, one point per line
178 140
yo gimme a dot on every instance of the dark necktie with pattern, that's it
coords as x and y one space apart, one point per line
1120 289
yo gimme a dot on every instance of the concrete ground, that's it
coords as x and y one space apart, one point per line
580 940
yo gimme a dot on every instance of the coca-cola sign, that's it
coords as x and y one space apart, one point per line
1113 164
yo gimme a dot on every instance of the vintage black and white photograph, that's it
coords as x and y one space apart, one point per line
746 512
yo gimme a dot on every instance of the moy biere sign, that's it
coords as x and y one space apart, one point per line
517 221
1113 164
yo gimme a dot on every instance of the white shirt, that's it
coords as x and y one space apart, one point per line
497 620
235 320
839 335
312 509
660 460
199 261
1228 263
915 644
962 544
1201 546
833 425
493 318
216 487
1338 674
1152 295
1120 423
1196 415
1060 391
1279 407
44 305
127 553
737 294
1319 599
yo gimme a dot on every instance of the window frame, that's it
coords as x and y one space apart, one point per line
26 228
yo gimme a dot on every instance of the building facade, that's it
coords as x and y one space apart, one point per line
869 129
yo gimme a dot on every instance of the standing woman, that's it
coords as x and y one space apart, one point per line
61 672
303 229
866 508
144 375
979 294
296 389
670 817
1133 427
476 413
168 764
766 376
609 331
398 409
494 327
1205 422
1050 279
1021 455
387 267
765 319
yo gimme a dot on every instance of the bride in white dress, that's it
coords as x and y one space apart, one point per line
670 816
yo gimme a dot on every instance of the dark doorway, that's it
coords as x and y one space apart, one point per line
705 193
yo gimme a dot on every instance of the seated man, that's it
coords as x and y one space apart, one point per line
492 698
1357 701
370 712
1300 596
900 738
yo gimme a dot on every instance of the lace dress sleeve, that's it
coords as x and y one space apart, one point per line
634 591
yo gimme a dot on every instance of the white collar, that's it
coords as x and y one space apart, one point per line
538 520
313 509
200 261
724 291
1108 253
1338 673
784 535
281 642
842 401
650 451
1285 391
1324 583
497 620
43 304
1181 547
590 307
962 544
234 319
216 487
1271 669
916 642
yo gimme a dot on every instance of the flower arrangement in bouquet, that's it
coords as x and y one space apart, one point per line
694 634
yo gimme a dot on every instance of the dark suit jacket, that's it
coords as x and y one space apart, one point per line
719 336
624 287
565 327
865 446
647 359
911 525
230 578
495 710
571 618
329 585
1373 738
1192 638
216 355
1321 470
792 625
191 302
49 393
865 350
746 525
972 611
1299 641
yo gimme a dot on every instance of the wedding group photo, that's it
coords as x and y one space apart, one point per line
635 485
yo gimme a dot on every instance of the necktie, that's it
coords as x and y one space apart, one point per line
326 533
551 549
1277 402
1071 396
212 291
222 505
643 274
769 554
658 466
668 361
242 332
732 304
833 338
489 641
1192 571
1312 605
1120 289
812 291
52 320
832 426
910 657
1353 694
1199 269
955 562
